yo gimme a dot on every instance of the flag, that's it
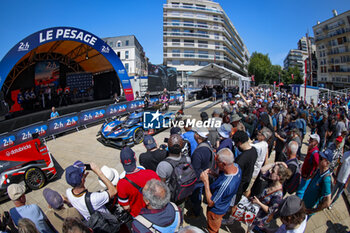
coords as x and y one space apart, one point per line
293 76
253 78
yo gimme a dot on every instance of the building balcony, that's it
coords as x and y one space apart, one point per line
192 17
193 45
326 37
192 35
339 71
192 8
193 56
211 58
330 53
192 25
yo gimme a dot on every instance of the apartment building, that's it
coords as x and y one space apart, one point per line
197 33
333 51
131 53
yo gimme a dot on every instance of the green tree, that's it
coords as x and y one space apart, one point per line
287 77
276 74
260 67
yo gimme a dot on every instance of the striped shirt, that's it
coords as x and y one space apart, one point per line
223 190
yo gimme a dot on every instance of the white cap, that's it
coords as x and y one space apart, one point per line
315 137
202 131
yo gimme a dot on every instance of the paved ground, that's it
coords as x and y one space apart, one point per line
83 146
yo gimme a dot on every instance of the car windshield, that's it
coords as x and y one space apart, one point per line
131 121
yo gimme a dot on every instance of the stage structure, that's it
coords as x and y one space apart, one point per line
52 50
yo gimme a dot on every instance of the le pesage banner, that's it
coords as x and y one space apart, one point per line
68 122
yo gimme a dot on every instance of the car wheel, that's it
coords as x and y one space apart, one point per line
34 178
138 136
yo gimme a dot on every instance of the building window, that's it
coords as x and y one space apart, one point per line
176 52
127 42
175 22
188 32
203 63
188 42
127 67
176 62
203 34
118 54
202 44
189 53
126 54
175 32
174 13
175 41
202 24
119 44
187 5
203 16
188 23
203 54
189 63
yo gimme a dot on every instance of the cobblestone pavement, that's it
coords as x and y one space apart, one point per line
82 145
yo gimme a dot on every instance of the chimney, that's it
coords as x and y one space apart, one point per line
335 13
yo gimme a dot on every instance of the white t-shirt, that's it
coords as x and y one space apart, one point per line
98 201
300 229
344 171
261 149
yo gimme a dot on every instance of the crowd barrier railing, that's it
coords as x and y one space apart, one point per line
52 127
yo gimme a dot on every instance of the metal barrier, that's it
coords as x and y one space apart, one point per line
71 121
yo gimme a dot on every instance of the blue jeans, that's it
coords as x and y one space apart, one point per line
302 187
338 188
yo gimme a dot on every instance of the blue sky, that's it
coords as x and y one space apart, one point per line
268 26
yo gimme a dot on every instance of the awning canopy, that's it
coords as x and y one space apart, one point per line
89 59
214 71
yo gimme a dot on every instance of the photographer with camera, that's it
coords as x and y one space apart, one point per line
75 176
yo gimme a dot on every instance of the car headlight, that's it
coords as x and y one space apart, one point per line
2 179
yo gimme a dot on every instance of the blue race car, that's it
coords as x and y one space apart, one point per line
120 133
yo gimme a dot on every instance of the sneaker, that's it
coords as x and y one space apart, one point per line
227 221
330 207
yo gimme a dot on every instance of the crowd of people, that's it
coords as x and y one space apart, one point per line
226 168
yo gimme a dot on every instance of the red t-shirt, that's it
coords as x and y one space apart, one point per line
129 195
310 162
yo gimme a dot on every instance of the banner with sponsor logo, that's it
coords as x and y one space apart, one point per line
7 141
68 122
89 116
65 34
116 110
25 134
62 124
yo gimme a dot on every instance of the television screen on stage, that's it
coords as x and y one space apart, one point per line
160 77
47 73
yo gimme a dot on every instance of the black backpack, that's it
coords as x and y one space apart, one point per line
182 180
292 184
101 222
